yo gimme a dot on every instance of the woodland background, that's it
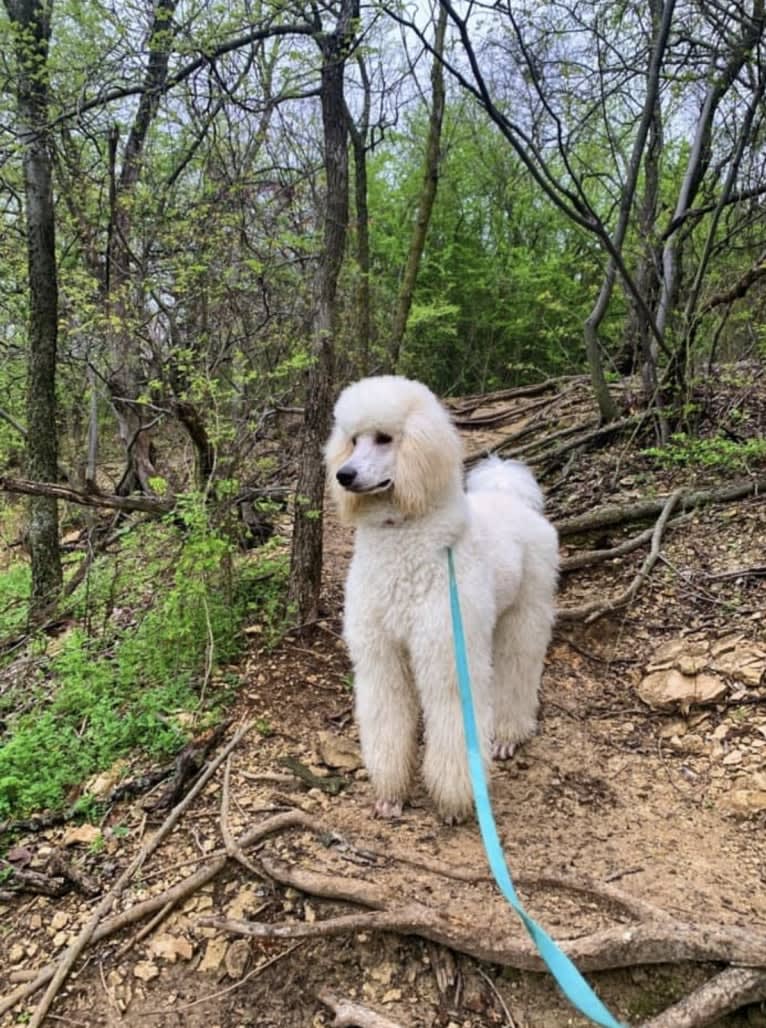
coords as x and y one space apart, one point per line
212 217
215 215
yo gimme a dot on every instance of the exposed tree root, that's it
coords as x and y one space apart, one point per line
653 942
75 949
472 403
528 449
653 936
500 417
552 459
733 988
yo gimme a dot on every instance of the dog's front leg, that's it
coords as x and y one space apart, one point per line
387 715
445 765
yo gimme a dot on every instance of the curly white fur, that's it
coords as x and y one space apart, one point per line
394 463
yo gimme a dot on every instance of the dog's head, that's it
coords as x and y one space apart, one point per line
391 440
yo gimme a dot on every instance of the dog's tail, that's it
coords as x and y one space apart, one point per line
494 475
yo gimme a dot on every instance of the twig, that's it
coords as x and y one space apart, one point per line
590 611
510 1023
175 894
755 571
147 929
73 951
232 849
353 1015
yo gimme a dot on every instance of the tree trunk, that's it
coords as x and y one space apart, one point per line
31 23
127 377
306 556
606 405
427 194
359 134
647 276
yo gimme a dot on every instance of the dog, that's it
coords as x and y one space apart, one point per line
395 470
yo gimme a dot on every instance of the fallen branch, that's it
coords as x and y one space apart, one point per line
27 880
608 517
586 558
144 504
500 417
552 459
590 611
73 951
171 896
348 1014
728 991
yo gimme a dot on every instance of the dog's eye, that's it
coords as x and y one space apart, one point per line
353 440
382 439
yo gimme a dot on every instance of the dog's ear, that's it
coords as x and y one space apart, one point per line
337 451
429 458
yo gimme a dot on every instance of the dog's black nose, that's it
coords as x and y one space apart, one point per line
345 476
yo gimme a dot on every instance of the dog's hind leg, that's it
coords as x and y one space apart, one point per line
387 714
521 638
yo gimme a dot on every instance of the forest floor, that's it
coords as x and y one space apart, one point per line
621 811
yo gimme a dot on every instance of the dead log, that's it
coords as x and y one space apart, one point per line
622 514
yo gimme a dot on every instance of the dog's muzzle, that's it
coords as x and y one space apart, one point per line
349 479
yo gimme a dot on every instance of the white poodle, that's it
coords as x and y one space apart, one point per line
395 469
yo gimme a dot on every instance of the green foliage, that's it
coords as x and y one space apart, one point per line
148 642
14 598
715 452
503 288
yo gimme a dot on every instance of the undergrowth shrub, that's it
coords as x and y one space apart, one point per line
153 624
718 452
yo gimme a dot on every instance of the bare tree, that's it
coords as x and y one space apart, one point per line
31 22
306 556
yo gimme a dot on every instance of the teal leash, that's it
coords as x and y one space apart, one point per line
569 979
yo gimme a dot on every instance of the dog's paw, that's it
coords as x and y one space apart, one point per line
502 750
450 820
388 810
